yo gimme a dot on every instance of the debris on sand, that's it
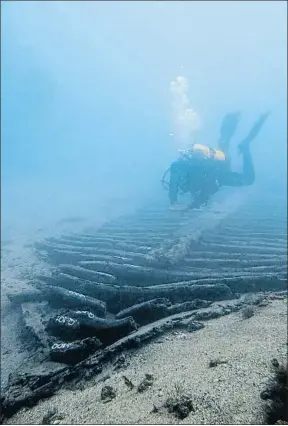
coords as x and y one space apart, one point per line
146 383
108 393
216 361
247 312
155 409
128 383
52 417
120 363
276 396
180 405
73 352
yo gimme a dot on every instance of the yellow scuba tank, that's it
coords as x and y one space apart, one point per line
207 152
202 150
219 155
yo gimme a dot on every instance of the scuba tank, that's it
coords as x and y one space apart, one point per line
204 152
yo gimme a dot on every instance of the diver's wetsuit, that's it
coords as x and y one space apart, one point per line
194 176
204 177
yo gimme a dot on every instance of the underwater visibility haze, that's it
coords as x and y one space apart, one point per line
90 107
98 248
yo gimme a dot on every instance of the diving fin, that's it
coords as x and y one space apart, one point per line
227 130
254 131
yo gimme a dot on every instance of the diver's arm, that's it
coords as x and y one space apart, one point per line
174 182
173 192
179 170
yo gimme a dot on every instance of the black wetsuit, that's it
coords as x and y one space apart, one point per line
191 175
203 177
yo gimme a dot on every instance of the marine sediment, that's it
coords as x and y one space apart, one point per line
137 277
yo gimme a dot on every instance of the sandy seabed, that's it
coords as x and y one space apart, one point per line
179 362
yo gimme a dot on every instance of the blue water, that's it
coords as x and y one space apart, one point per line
86 108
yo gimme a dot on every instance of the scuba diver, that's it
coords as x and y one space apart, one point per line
202 170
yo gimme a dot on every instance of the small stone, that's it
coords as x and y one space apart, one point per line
47 418
146 383
52 417
264 395
107 393
128 383
263 303
215 362
181 406
121 362
275 363
194 326
181 336
247 312
155 409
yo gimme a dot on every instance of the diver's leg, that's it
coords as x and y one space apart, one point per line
248 167
246 178
227 130
248 175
